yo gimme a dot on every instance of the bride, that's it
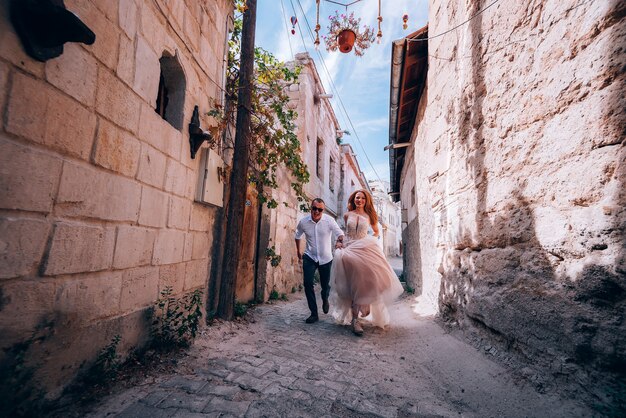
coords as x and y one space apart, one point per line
361 279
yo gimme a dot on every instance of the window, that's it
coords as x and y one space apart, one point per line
331 174
171 95
320 159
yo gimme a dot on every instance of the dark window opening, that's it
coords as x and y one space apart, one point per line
171 95
331 175
319 163
162 98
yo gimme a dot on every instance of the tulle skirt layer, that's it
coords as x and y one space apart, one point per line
361 275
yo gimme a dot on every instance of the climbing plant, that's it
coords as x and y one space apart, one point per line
274 142
176 320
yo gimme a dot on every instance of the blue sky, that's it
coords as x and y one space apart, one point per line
362 83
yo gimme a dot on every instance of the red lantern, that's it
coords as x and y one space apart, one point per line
294 21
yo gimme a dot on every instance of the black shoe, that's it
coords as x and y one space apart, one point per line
311 319
325 306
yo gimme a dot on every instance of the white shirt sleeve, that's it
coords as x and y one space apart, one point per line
299 230
337 232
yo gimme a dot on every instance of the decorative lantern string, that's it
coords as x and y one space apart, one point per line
379 35
294 20
317 27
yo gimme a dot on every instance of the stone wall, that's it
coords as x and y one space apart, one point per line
519 165
388 216
97 210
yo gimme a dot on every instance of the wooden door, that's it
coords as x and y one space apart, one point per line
247 258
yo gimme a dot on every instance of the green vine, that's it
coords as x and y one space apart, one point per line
106 365
272 257
176 320
274 141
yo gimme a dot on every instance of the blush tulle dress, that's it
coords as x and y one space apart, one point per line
361 275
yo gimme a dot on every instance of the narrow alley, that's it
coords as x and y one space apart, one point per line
174 173
276 365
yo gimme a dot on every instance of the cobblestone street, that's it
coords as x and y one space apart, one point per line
276 365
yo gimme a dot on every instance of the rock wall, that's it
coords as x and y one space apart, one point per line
97 209
519 164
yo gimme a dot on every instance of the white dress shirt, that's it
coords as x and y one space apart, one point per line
318 237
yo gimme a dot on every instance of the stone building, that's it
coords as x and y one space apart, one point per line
512 184
352 178
101 205
317 130
334 174
389 217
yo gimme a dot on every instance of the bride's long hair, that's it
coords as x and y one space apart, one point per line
369 205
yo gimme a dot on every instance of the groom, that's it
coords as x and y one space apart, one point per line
318 228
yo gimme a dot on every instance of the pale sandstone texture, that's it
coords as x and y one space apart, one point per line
97 190
519 164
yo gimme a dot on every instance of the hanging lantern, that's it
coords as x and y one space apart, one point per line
405 19
379 35
294 21
316 43
317 37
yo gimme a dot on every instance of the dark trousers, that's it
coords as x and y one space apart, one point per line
309 266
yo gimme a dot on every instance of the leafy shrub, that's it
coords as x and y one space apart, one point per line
176 320
272 257
106 365
20 392
240 309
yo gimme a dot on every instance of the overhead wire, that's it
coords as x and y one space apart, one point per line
334 88
454 28
299 26
305 47
346 5
286 28
408 39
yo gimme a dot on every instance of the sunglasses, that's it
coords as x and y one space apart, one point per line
315 209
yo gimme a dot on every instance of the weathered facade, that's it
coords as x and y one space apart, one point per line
352 178
389 217
317 130
99 208
513 186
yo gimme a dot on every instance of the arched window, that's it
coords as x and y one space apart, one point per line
171 96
